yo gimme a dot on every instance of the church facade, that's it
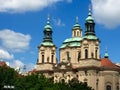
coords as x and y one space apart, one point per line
79 58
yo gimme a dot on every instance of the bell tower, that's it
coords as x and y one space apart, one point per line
90 43
76 30
47 49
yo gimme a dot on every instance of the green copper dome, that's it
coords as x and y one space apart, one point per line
106 54
48 26
73 39
90 37
90 19
47 44
72 42
77 24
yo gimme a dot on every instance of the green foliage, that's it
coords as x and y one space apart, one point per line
7 76
36 82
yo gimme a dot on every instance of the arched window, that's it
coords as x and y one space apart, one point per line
68 56
108 87
79 56
52 58
96 53
74 33
86 53
42 58
92 55
77 33
117 88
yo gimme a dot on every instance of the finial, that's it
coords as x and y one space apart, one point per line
48 19
76 19
89 9
106 53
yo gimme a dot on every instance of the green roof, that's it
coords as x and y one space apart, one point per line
106 55
47 44
73 39
47 27
90 19
72 42
76 26
90 37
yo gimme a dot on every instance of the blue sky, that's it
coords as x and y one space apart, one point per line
22 23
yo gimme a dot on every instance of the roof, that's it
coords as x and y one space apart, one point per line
32 71
72 42
90 37
47 44
76 26
2 63
73 39
48 27
106 62
90 19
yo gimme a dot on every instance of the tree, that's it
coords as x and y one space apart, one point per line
8 76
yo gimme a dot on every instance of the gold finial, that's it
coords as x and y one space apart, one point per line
76 19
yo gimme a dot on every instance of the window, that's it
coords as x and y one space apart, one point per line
74 33
68 57
86 53
42 58
108 87
96 53
79 56
117 88
77 33
52 58
92 55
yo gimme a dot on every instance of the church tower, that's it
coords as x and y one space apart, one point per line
46 50
76 31
90 43
70 51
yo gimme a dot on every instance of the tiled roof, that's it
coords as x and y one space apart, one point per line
2 63
106 62
32 71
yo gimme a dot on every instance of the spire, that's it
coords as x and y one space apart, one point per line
89 11
76 26
48 31
48 20
48 26
76 19
89 23
106 54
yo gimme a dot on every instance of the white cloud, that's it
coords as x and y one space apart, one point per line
58 22
5 54
107 12
15 6
19 64
118 64
16 63
30 66
14 41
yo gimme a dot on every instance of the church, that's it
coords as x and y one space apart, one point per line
79 58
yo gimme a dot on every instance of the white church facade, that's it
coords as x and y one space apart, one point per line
79 58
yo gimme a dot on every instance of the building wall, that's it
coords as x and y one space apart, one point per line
96 80
73 54
47 52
